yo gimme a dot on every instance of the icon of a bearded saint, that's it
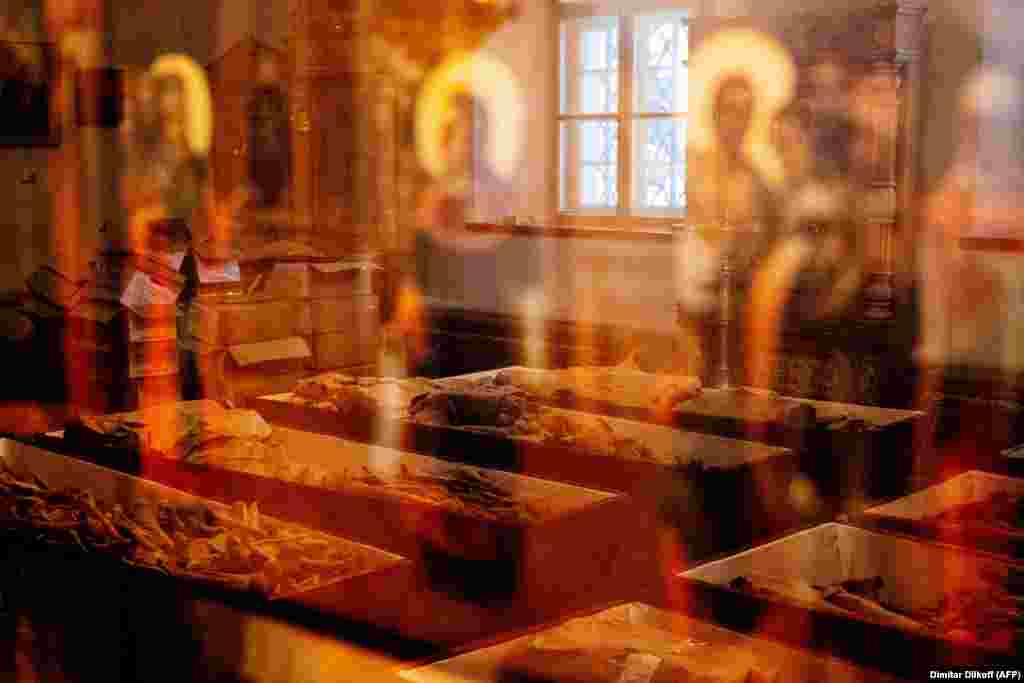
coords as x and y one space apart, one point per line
21 29
964 293
270 152
164 182
819 142
814 270
23 87
969 296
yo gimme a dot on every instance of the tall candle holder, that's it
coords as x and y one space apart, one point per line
724 372
722 376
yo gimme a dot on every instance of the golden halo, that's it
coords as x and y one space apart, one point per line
497 89
767 65
198 110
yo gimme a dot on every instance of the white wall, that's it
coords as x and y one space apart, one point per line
954 50
527 46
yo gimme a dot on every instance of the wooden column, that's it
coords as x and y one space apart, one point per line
884 85
898 42
910 43
300 101
329 140
72 27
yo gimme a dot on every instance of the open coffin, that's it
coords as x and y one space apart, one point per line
506 548
136 527
744 485
975 509
847 449
929 605
635 641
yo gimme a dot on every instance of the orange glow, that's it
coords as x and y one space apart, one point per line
534 337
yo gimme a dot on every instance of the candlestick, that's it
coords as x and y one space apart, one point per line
725 309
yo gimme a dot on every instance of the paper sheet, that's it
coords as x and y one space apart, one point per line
142 294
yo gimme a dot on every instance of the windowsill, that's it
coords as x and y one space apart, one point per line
599 226
1009 245
580 230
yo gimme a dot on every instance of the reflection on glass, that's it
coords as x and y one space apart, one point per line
590 164
661 63
659 164
659 106
589 66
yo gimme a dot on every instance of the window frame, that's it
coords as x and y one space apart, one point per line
563 61
626 118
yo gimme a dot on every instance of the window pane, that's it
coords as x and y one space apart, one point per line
598 186
588 72
660 71
661 45
659 164
599 141
563 68
657 188
659 140
563 166
682 89
589 165
613 47
679 188
600 92
659 90
595 50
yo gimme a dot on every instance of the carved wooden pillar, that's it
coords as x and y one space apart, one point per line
328 125
895 76
385 165
365 198
880 49
76 28
301 57
882 89
909 40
